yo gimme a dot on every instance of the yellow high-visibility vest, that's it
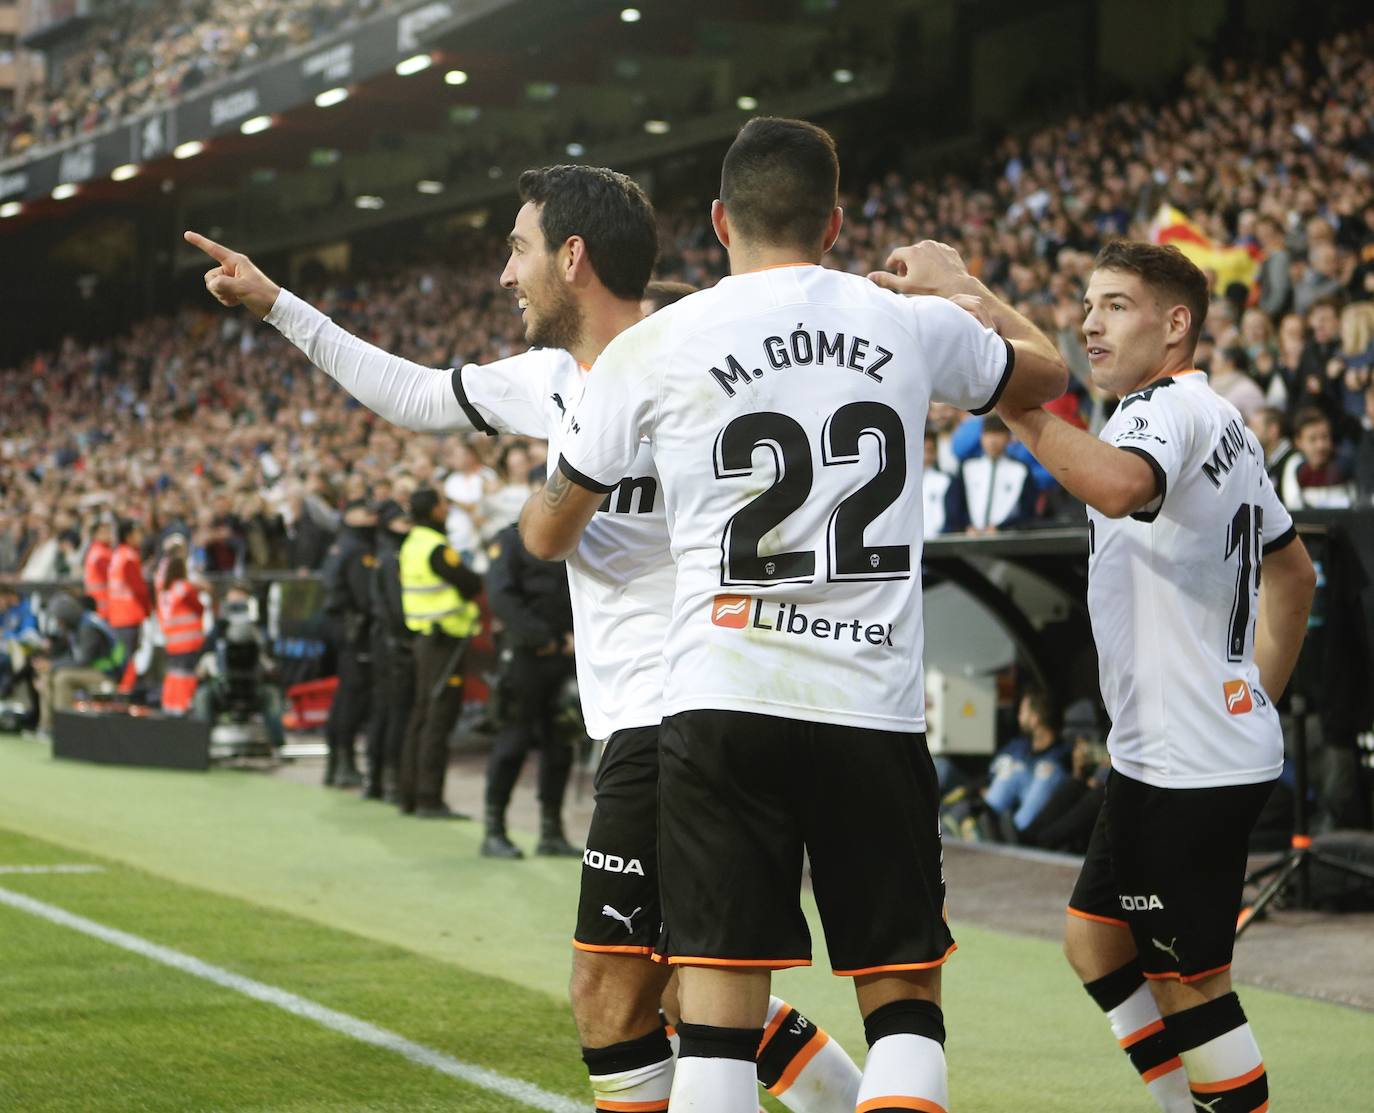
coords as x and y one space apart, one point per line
427 600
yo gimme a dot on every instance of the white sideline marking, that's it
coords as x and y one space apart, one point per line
524 1092
53 869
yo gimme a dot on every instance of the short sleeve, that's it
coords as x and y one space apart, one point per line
510 395
601 437
1152 425
1276 525
970 365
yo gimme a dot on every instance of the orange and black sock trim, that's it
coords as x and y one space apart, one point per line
1150 1048
908 1017
706 1041
787 1038
1244 1088
632 1076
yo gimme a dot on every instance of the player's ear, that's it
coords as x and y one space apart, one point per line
832 229
1180 322
720 221
573 261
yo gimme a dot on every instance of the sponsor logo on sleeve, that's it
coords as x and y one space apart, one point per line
1238 698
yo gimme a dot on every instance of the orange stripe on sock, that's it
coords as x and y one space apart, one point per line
1160 1071
657 1106
899 965
919 1104
1228 1083
773 1026
1140 1033
598 950
669 1030
1072 911
798 1063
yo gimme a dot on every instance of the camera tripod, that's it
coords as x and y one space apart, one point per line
1295 864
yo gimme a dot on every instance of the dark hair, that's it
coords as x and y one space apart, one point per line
1272 415
1043 707
1310 415
780 181
994 424
422 504
664 294
1165 270
125 530
173 570
607 211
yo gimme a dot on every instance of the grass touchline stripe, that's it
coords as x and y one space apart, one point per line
53 869
525 1092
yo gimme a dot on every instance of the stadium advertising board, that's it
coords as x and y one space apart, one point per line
353 55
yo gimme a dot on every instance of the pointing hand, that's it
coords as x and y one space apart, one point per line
236 280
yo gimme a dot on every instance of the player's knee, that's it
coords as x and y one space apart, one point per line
614 997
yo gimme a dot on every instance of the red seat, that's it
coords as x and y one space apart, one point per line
310 703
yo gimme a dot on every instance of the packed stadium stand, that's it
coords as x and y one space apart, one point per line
198 409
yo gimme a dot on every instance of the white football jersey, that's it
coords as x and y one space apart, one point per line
620 578
1173 594
786 409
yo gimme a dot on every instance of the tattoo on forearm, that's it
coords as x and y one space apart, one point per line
556 490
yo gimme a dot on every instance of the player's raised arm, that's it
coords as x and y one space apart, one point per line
1039 373
1115 481
422 399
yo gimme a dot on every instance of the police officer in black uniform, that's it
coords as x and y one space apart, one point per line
347 576
393 659
530 597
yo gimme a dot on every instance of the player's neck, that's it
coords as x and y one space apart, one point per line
746 258
1175 363
603 323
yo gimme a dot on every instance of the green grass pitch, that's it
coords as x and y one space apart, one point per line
401 924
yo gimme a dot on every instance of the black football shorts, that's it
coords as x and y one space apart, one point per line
742 796
1169 864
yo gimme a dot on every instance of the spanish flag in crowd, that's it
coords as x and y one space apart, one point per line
1229 264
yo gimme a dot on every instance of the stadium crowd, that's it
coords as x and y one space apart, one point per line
139 55
210 426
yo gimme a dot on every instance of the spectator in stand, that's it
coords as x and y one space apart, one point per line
1229 378
1320 368
502 504
465 486
993 491
1066 820
935 488
1357 354
1028 770
1314 478
1275 282
1320 279
1270 427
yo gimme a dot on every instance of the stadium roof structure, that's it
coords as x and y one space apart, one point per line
436 105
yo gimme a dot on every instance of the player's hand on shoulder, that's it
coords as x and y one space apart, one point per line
976 308
236 280
928 267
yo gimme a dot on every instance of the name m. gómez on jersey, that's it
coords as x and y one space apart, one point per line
620 578
1173 594
786 409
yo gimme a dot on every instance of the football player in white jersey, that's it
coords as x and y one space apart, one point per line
1193 653
582 249
786 407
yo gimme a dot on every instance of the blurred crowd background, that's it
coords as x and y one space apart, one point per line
205 426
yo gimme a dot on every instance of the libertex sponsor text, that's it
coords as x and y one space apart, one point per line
736 612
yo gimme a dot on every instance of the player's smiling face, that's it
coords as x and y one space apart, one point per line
551 313
1125 330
